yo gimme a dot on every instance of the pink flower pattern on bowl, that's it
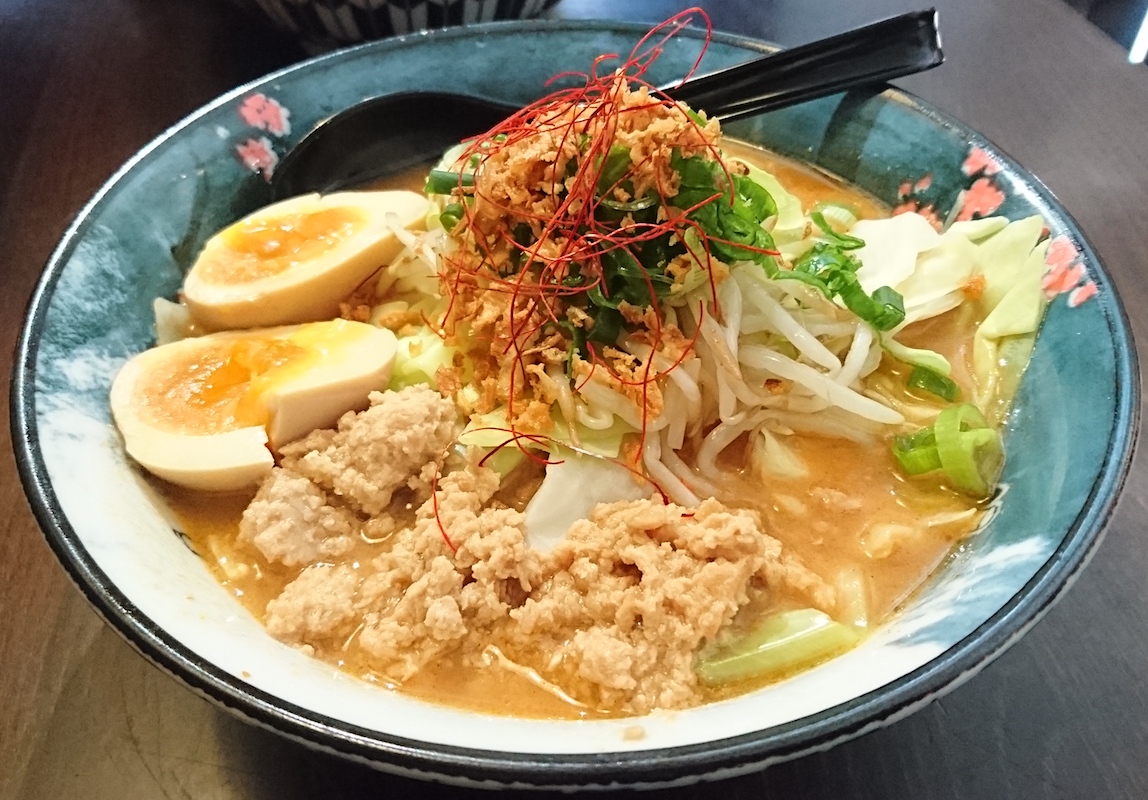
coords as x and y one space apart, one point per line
266 114
263 112
258 156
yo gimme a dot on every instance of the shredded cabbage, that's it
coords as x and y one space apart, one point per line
770 457
418 358
933 280
573 485
1003 343
492 430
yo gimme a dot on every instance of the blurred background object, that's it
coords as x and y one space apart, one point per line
1123 20
322 24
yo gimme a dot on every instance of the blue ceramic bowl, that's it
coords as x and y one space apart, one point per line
1069 437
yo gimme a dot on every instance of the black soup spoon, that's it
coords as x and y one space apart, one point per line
387 135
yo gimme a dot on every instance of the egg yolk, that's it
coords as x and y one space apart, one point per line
258 248
211 390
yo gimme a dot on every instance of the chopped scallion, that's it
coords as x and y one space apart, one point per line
607 327
615 167
842 240
452 214
934 383
970 451
443 181
835 272
840 216
961 444
916 454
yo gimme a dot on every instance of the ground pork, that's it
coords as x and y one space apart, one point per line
292 522
426 595
631 593
316 606
613 616
379 450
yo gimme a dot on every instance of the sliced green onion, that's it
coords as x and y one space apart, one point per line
626 279
826 259
754 198
607 327
694 172
780 644
443 181
451 215
970 451
934 383
842 240
961 444
573 278
655 254
916 460
615 167
598 297
835 272
640 204
611 210
884 309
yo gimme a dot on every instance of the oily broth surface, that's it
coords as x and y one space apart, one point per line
807 515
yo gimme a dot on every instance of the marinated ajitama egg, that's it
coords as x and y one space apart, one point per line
296 260
205 412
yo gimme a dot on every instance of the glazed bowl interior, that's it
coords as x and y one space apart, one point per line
1069 437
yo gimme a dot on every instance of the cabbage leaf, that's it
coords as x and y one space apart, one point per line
931 272
418 358
573 485
892 245
788 226
1003 343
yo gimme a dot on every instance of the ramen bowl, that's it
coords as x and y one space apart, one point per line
1069 436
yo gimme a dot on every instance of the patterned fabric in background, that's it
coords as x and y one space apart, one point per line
331 23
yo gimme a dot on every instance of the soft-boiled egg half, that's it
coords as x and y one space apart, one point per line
296 260
202 412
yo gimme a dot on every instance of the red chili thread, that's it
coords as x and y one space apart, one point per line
536 293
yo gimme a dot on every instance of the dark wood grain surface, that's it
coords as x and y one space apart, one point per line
1063 714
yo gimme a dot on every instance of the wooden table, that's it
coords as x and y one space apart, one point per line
85 83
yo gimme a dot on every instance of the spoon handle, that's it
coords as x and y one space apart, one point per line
889 49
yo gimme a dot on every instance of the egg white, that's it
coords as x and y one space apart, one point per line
310 289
